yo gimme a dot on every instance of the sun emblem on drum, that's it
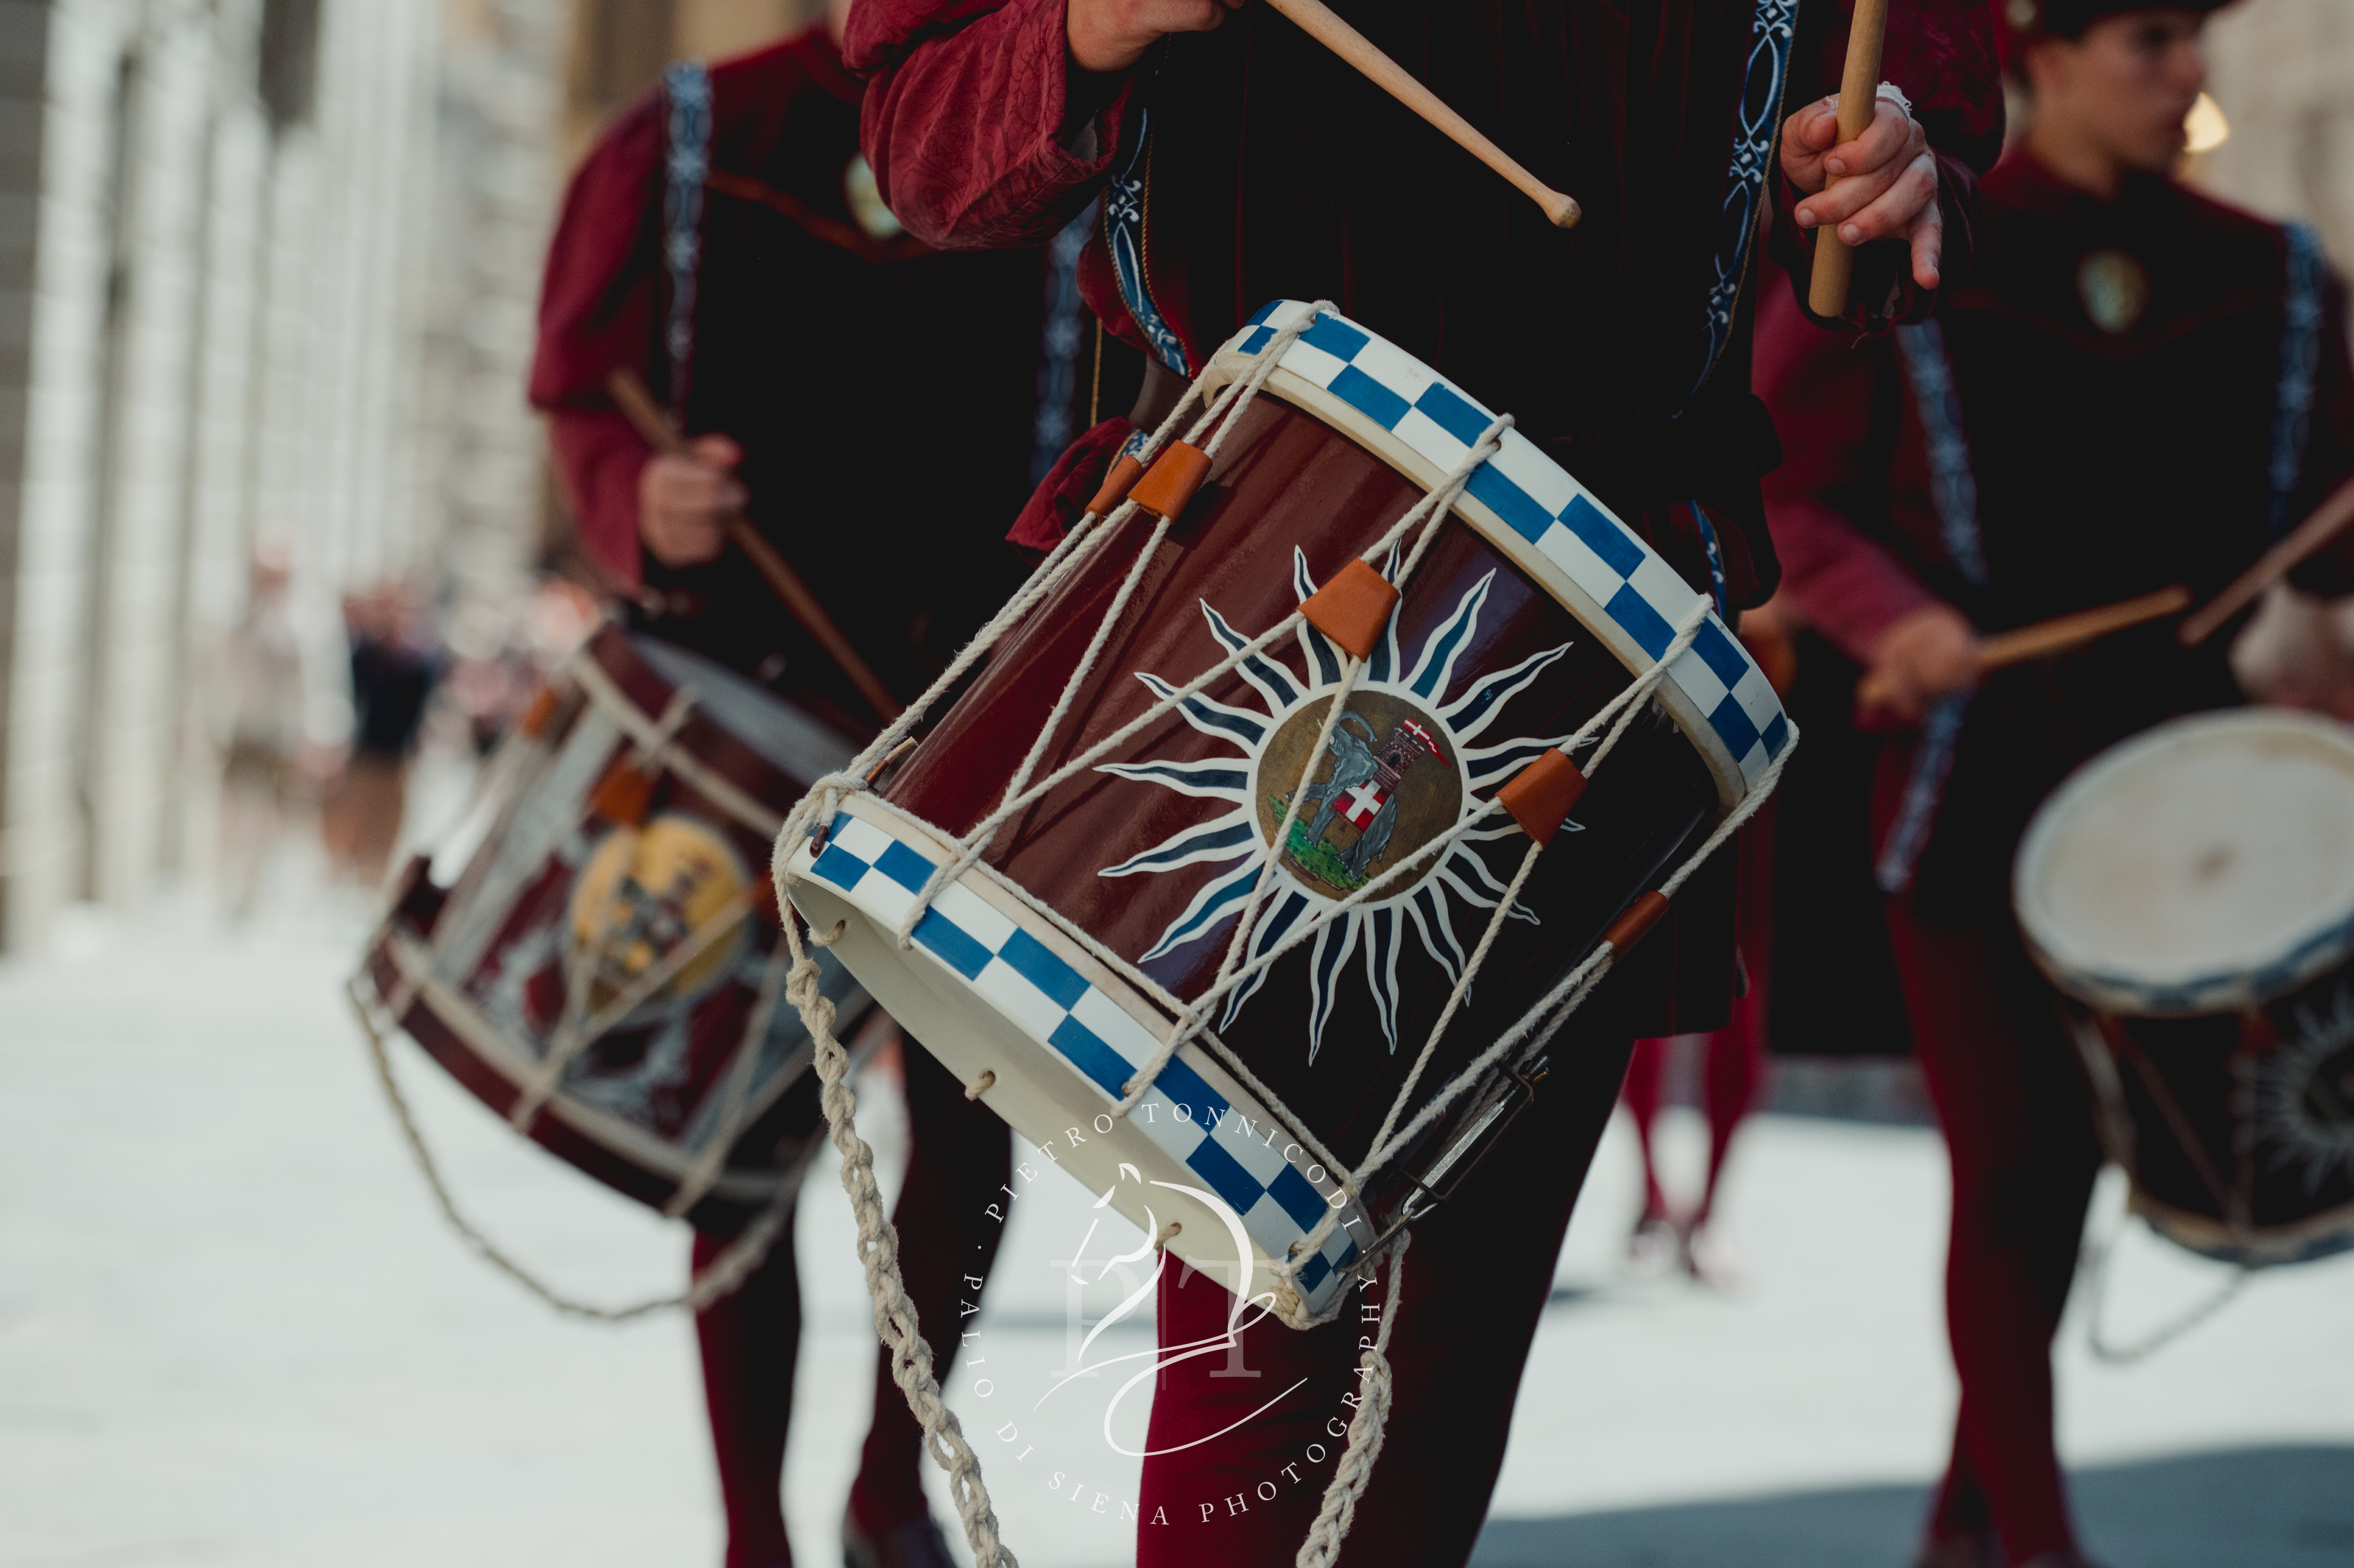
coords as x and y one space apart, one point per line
2304 1093
1400 769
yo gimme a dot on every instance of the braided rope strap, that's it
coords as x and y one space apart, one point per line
895 1320
1367 1429
724 1274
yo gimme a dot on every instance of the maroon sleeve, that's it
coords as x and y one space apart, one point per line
598 457
1822 387
600 295
980 132
2330 447
1941 55
597 313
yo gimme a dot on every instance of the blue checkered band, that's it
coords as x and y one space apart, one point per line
1953 488
1230 1143
1644 597
2300 359
1124 201
687 83
1763 84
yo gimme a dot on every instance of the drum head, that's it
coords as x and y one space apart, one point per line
2205 866
795 743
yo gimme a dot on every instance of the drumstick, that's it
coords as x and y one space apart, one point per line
1859 101
2057 635
1319 22
2326 521
629 392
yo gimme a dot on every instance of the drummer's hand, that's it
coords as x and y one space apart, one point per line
1112 35
2293 654
684 503
1923 656
1887 180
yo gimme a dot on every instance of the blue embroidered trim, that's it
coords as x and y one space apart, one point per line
1124 238
687 83
2300 359
1058 346
1761 87
1953 489
1954 492
1933 758
1716 558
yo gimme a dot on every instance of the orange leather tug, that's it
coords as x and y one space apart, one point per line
1124 474
1635 921
534 720
1172 479
622 796
1352 608
1540 795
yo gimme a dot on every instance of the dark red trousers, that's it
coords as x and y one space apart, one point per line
1475 1282
750 1340
2019 1132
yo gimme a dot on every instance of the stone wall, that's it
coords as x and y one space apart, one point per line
267 272
2283 71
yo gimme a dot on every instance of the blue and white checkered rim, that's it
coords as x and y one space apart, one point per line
1536 498
1231 1142
2173 996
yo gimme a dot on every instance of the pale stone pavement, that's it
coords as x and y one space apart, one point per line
233 1330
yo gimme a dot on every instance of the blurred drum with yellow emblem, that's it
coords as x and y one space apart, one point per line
607 971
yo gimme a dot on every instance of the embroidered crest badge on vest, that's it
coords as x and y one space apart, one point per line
2114 288
860 189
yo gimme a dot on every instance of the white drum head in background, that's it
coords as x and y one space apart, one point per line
2205 866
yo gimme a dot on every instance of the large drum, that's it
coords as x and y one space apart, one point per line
1049 973
608 972
2192 890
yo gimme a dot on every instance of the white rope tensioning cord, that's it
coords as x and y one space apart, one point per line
651 751
894 1315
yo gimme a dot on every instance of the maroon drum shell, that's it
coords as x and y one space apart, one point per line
1285 480
717 1018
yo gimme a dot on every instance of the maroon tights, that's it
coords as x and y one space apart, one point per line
2020 1135
1476 1283
1733 1064
749 1341
1735 1061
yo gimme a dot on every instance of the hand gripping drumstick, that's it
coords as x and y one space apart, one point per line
1859 101
2057 635
2328 520
1319 22
629 392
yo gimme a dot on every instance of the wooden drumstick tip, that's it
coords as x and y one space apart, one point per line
1563 210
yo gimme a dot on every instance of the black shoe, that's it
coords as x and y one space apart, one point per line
911 1543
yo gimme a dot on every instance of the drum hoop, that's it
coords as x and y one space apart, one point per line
413 959
1271 1239
646 731
2250 1246
2311 954
1701 671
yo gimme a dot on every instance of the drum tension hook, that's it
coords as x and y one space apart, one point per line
1527 1079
